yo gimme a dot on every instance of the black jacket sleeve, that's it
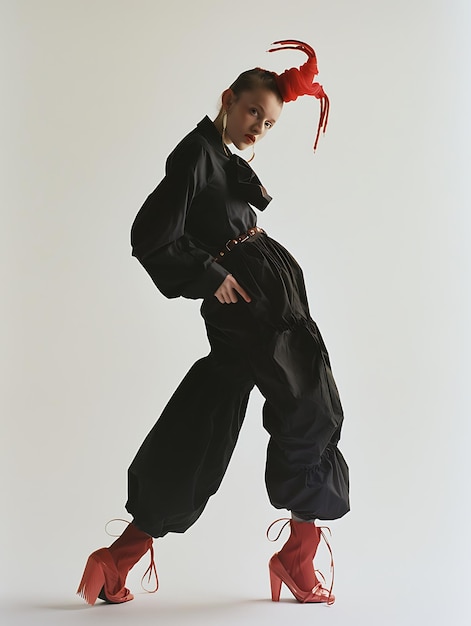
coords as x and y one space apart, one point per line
177 266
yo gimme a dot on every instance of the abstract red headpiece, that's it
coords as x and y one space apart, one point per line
298 82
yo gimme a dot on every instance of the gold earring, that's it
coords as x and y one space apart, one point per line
253 154
223 135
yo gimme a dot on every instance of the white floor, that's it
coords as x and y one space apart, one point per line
216 608
228 586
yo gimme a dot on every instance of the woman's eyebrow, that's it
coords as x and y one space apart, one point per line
259 106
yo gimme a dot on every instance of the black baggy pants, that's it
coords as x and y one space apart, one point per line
272 343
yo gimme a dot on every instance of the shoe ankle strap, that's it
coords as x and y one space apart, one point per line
286 521
332 565
152 569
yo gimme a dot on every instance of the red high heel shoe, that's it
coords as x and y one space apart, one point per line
101 568
106 569
293 564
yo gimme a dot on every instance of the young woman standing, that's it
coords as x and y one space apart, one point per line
197 237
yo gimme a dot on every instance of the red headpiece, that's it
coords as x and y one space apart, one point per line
298 82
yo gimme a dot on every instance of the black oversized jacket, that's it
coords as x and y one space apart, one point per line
202 202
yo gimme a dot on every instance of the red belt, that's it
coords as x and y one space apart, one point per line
232 243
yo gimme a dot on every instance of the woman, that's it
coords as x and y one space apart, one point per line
196 235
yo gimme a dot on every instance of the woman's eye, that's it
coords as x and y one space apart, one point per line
253 112
268 124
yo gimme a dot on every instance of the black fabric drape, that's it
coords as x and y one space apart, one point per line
202 202
271 342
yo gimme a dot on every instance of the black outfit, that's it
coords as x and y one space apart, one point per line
272 342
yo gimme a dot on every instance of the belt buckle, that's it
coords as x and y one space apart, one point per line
240 239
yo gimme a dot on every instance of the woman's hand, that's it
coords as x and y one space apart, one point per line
227 291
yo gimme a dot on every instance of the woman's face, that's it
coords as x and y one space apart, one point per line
250 115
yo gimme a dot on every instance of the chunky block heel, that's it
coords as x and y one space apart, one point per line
275 584
92 581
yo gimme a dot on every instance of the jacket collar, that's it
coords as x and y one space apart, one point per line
243 180
208 129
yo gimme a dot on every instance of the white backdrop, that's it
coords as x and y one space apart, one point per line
95 94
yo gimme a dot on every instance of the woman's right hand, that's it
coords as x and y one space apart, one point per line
227 291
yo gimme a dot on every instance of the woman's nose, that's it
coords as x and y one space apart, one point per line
257 128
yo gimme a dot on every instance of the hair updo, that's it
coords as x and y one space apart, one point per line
255 79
